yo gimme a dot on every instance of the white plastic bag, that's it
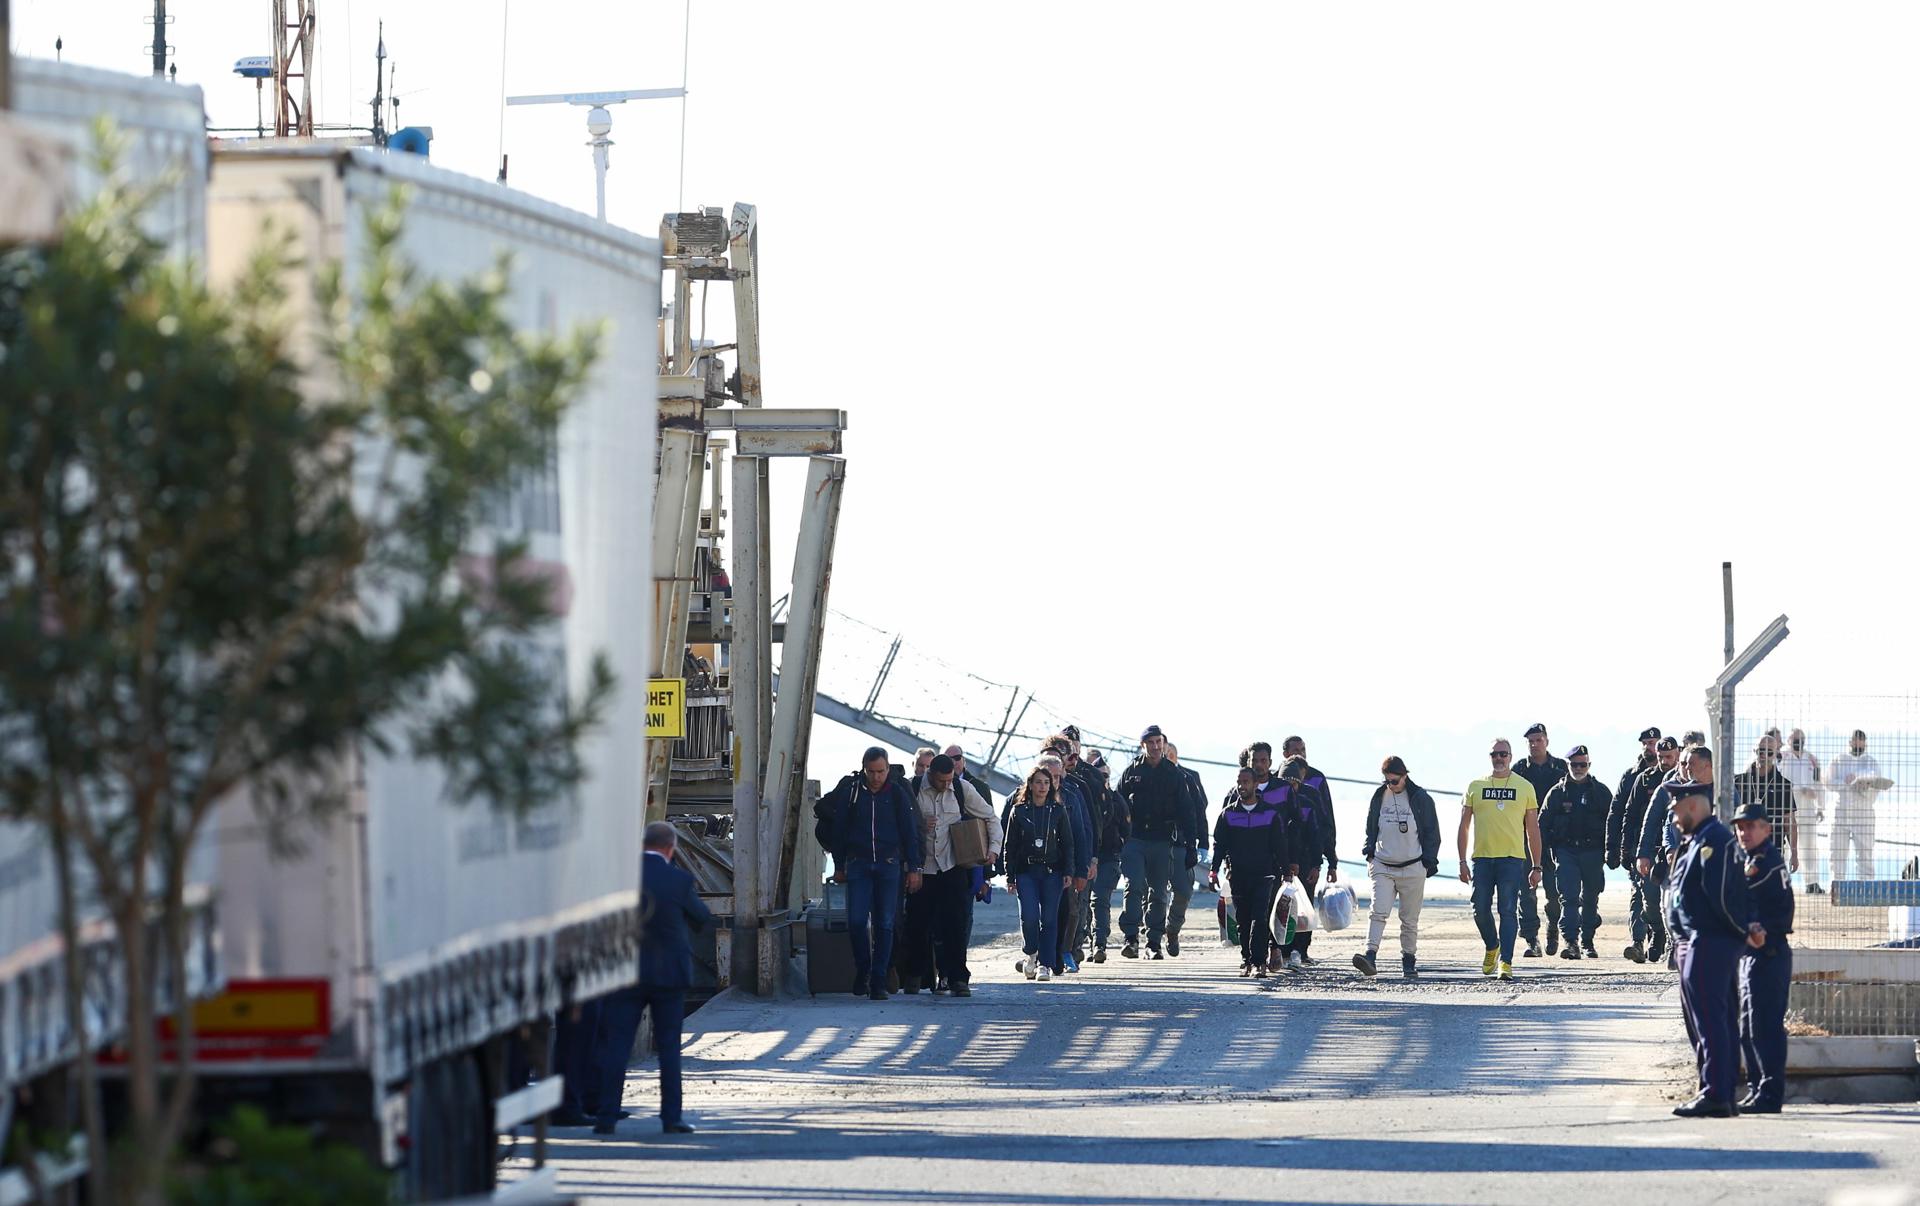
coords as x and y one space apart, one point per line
1295 894
1336 905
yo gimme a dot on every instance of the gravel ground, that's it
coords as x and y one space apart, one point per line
1179 1082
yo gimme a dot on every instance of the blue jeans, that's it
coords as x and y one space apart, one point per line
613 1045
1505 876
1580 877
1105 881
1149 868
1181 877
873 896
1039 907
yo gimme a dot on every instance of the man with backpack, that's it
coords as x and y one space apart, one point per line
869 824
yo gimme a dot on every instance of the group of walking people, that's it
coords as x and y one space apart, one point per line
925 845
930 843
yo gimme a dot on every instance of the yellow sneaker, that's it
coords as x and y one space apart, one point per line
1506 971
1487 964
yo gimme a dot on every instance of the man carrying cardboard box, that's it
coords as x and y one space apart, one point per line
958 832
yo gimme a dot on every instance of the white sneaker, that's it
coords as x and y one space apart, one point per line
1046 973
1295 962
1032 964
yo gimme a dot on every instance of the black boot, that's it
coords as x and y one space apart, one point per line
1407 970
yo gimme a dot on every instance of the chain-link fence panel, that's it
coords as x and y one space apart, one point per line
1840 778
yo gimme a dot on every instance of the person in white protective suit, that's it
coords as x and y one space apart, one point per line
1856 782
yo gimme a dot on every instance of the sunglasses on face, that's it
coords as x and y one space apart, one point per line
1579 765
1498 754
1393 781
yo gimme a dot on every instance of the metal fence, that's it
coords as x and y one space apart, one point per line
1853 836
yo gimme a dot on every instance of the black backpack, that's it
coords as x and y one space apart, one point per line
826 811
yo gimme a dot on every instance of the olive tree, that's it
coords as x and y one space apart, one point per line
194 515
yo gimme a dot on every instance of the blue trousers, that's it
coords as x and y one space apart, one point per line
1105 880
1181 877
1764 978
1497 882
1149 868
1709 964
1581 876
619 1023
1649 923
1039 910
873 907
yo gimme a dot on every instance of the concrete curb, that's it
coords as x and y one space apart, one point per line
1853 1069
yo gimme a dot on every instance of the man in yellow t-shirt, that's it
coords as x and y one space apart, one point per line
1503 816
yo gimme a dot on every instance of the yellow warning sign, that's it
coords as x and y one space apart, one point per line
666 707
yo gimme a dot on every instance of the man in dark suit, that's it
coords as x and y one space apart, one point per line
669 905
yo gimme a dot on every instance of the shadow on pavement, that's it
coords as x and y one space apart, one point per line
1172 1041
774 1141
919 1197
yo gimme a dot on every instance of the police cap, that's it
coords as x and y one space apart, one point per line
1753 810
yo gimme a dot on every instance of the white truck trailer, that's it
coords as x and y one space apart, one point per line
162 128
384 980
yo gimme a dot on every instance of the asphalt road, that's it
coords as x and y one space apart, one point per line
1177 1082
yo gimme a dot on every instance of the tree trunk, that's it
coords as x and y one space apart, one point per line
98 1178
142 1172
174 933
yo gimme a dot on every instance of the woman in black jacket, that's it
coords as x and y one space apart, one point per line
1402 851
1035 854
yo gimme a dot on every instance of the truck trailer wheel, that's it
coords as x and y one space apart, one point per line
451 1130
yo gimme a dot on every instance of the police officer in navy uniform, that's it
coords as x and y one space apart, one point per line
1710 918
1766 966
1542 770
